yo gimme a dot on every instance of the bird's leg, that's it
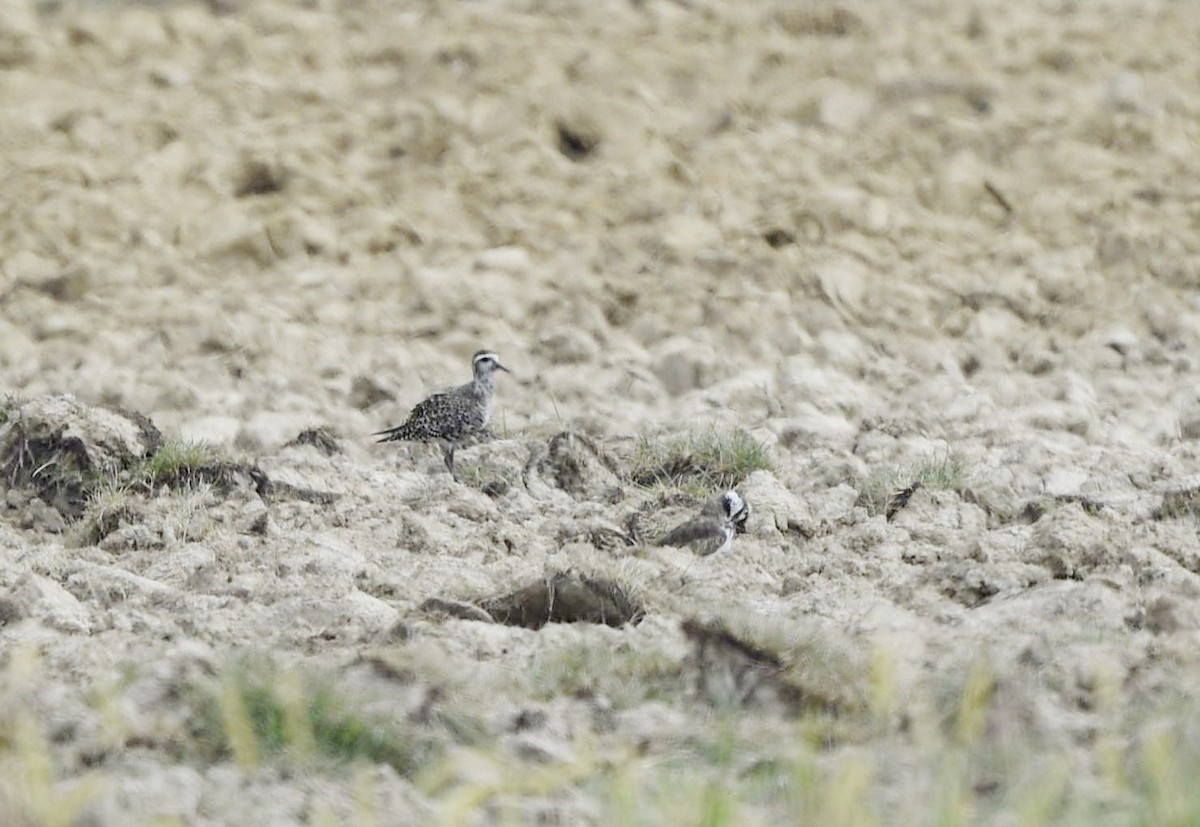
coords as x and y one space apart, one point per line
448 450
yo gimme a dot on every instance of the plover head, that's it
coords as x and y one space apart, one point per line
485 363
736 510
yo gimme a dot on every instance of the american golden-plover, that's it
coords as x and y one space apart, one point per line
455 417
713 528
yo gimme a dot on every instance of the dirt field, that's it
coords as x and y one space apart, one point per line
954 244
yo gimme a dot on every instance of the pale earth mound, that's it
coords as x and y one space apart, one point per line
880 238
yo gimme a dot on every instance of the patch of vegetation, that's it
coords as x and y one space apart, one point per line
268 712
888 490
175 462
701 463
108 506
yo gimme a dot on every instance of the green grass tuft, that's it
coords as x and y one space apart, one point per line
177 460
939 472
700 463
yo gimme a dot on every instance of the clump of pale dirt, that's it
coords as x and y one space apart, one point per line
872 236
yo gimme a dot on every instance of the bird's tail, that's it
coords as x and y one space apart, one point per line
392 434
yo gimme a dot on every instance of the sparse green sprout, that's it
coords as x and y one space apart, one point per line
889 490
249 716
701 463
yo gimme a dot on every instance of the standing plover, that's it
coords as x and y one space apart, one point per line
454 417
713 528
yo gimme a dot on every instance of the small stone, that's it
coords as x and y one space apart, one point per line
170 76
1065 481
504 260
43 598
844 107
1126 92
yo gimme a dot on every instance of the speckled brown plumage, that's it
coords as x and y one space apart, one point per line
454 417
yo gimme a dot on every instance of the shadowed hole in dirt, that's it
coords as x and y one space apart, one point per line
259 178
576 142
777 237
563 598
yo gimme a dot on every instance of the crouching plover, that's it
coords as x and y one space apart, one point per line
455 417
713 528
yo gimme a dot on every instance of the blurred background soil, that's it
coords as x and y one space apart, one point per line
871 235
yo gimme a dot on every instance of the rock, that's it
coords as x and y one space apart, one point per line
683 365
1072 544
109 585
577 464
1121 339
843 283
131 538
371 611
44 599
61 447
773 508
11 611
1126 92
834 504
938 516
1061 482
504 259
843 107
170 793
1189 416
170 75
